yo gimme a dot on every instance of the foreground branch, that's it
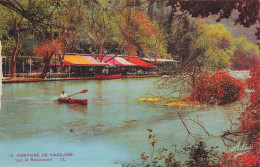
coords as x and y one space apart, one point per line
184 123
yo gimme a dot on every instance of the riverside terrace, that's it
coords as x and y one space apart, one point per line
85 67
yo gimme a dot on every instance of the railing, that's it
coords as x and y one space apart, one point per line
75 75
50 75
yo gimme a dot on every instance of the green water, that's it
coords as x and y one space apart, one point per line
111 130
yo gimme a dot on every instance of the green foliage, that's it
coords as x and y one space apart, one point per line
27 45
202 47
127 25
8 46
216 43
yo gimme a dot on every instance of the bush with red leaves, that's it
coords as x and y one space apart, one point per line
219 88
249 119
248 158
254 81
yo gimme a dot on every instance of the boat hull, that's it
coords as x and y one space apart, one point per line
74 101
112 76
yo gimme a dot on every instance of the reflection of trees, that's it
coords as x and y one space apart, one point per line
99 91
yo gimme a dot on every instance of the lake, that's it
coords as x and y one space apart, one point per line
109 131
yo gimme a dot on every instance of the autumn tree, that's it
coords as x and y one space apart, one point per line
141 35
47 50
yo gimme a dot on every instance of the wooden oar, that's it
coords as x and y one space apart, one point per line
83 91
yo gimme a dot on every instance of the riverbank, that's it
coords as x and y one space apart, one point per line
23 79
20 79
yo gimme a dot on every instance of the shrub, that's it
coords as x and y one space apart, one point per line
219 88
254 81
201 156
249 119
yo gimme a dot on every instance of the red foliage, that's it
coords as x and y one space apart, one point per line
250 158
219 88
250 124
48 48
143 20
254 81
250 118
255 97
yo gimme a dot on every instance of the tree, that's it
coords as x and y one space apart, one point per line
248 9
1 74
209 47
181 10
217 43
11 33
141 35
100 26
47 50
68 21
245 55
48 18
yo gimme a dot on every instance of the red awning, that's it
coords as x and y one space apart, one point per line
139 62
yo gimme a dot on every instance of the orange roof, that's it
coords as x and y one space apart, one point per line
77 60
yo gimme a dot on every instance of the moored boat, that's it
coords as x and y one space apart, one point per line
109 76
73 101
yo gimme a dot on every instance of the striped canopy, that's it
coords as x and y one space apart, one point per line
78 60
117 61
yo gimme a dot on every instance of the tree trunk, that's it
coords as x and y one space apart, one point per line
151 8
62 56
13 62
129 50
100 53
61 59
46 68
1 74
155 59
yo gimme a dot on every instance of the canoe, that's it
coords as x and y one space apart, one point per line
109 76
74 101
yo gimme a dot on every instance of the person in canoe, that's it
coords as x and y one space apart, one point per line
64 98
63 95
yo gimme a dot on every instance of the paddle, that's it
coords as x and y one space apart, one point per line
83 91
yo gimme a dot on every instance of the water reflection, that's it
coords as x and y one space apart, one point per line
112 118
